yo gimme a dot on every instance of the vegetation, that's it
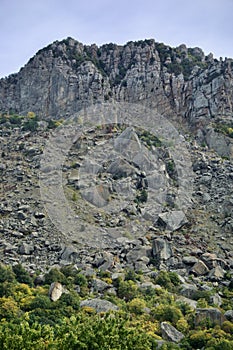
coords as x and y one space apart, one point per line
30 320
224 128
178 61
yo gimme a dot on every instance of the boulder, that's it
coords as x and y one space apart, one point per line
128 142
216 274
229 315
170 333
99 305
69 254
55 291
188 290
212 314
99 285
189 260
97 195
120 168
199 268
173 220
103 261
26 249
161 249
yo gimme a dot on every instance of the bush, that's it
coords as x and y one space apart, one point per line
6 274
168 280
168 313
55 275
127 290
136 306
22 275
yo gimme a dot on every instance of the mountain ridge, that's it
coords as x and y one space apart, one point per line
181 83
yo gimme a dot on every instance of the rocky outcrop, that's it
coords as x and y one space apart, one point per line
180 83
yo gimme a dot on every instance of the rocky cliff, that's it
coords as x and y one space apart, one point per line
180 83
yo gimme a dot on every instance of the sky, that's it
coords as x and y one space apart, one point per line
26 26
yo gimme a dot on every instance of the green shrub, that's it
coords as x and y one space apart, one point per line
55 275
22 275
168 313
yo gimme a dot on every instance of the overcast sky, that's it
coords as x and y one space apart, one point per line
28 25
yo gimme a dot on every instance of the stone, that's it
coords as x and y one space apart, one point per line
190 302
26 249
22 215
161 249
216 300
138 253
99 305
104 262
39 215
212 314
99 285
121 168
55 291
127 142
98 195
189 260
173 220
170 333
229 315
216 274
199 268
188 290
209 259
69 254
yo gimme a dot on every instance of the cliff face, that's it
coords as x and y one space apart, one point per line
180 83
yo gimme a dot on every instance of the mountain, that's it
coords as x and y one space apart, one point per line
181 83
116 196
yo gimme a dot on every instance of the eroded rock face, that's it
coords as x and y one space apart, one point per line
63 77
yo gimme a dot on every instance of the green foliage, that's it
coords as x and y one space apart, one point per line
168 280
136 306
168 313
226 129
30 320
127 290
131 275
141 196
6 274
30 125
22 275
55 275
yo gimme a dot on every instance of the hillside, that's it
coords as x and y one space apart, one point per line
116 163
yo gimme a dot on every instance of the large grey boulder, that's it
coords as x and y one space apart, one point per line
97 195
99 305
99 285
128 142
69 254
161 249
172 220
170 333
188 290
121 168
200 268
212 314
